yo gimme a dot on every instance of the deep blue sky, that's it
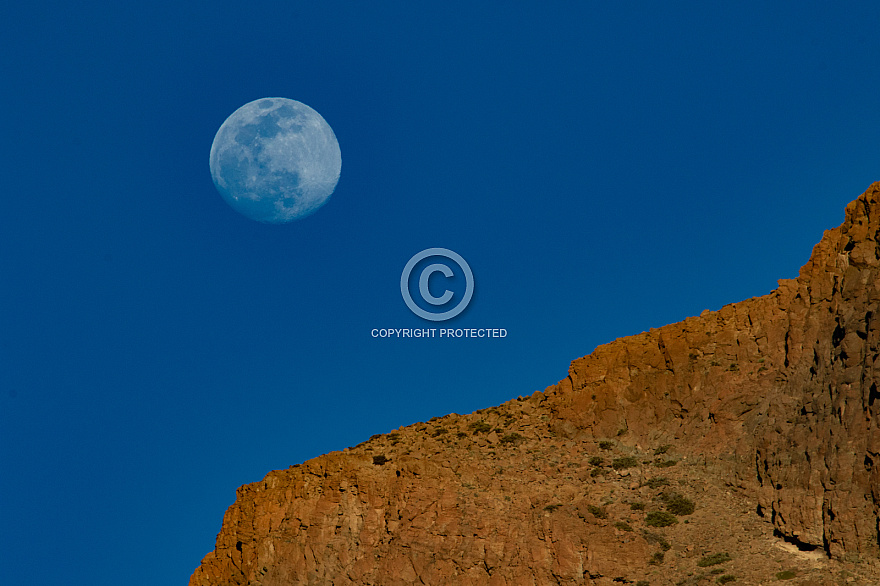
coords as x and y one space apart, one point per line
603 170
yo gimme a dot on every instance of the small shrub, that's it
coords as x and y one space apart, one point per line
656 482
596 460
552 508
660 519
623 463
718 571
596 472
714 559
733 368
606 445
786 575
657 539
677 504
656 559
665 463
511 438
379 460
461 434
598 512
726 578
623 526
439 431
662 449
480 427
621 432
637 506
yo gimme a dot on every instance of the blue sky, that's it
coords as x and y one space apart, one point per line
603 170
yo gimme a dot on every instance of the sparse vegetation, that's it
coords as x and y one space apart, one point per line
596 460
657 539
461 434
660 519
714 559
623 526
656 559
665 463
552 508
623 463
662 449
439 431
621 431
677 504
480 427
637 506
643 583
511 438
656 482
379 460
606 445
596 472
786 575
598 512
726 578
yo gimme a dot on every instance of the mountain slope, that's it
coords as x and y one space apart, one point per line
761 415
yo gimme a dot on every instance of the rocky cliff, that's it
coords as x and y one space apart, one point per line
749 434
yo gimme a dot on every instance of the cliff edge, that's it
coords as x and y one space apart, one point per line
743 431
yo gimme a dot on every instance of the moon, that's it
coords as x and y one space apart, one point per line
275 160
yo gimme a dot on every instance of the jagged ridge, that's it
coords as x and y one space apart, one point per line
774 396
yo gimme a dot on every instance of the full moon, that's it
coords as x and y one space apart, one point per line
275 160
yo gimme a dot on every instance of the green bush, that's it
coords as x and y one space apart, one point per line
726 578
511 438
596 472
480 427
786 575
637 506
439 431
552 508
598 512
656 482
662 449
714 559
596 460
623 526
660 519
665 463
623 463
657 539
606 445
379 460
656 559
677 504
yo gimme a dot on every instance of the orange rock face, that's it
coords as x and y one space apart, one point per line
764 413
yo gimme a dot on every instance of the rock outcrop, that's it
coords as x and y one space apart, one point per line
763 413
